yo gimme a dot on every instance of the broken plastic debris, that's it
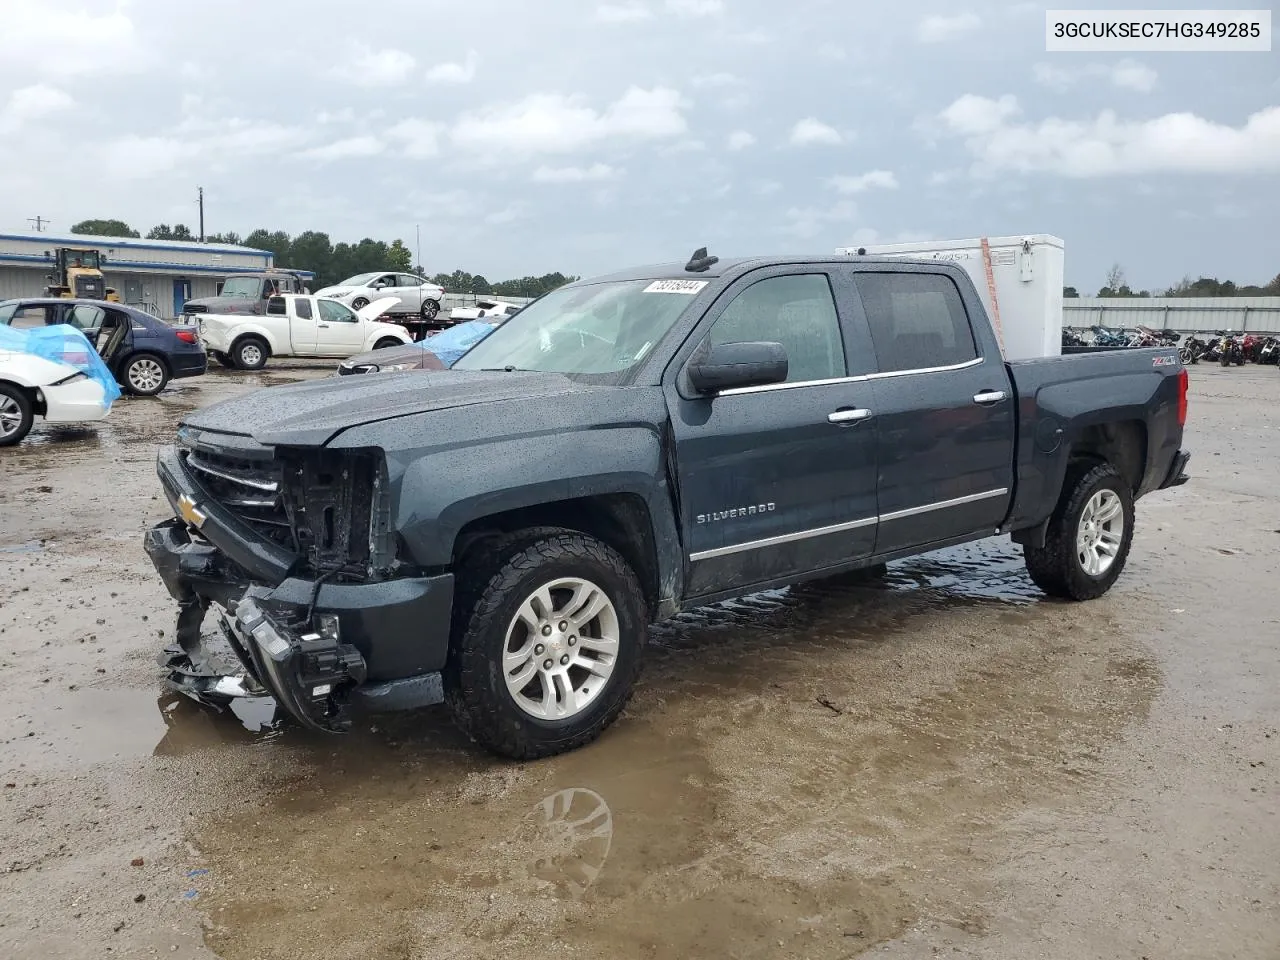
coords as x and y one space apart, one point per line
200 872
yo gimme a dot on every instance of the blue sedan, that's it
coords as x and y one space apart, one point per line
142 353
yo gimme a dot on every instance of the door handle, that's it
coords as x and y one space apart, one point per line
848 415
988 397
325 326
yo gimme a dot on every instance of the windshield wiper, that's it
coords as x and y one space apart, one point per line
507 369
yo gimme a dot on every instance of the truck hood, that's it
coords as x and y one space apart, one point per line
242 305
313 412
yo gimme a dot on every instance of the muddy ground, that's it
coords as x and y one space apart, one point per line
942 764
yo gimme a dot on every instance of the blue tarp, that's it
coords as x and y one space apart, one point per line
451 344
62 343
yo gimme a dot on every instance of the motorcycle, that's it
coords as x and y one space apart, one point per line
1269 350
1192 349
1230 351
1102 337
1072 339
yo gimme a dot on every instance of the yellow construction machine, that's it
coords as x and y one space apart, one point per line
78 274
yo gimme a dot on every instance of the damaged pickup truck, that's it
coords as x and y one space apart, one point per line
500 535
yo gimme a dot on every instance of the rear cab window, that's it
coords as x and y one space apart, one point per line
917 321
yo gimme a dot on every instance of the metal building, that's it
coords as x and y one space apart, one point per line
157 275
1185 314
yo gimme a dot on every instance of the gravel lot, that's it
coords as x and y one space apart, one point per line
943 763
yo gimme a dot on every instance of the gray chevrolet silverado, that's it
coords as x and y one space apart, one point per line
500 535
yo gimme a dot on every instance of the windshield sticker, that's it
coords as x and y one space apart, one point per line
687 287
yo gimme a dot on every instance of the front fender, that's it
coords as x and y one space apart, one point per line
384 331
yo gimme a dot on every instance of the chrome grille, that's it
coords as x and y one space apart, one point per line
250 489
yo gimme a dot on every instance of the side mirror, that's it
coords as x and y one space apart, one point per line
725 366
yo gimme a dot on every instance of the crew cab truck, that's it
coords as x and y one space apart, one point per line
298 325
500 535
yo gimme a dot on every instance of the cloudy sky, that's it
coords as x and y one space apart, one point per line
581 136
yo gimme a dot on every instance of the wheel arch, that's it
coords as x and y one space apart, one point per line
622 520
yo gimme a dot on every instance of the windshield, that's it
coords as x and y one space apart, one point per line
82 259
241 287
359 280
599 328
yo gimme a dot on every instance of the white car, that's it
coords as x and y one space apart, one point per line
412 294
298 325
31 386
484 308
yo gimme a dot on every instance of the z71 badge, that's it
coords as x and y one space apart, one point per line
734 512
1167 361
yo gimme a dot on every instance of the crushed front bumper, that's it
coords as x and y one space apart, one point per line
315 647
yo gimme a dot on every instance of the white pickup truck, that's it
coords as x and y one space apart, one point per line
299 325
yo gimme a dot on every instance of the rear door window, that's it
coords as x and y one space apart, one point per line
86 316
917 321
302 307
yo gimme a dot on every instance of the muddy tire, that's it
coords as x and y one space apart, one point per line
250 353
548 637
1089 535
16 415
223 359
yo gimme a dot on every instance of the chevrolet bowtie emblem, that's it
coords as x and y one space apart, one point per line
190 512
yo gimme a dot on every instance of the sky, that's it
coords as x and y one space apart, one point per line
587 136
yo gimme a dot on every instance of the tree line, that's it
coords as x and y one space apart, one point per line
333 262
1115 285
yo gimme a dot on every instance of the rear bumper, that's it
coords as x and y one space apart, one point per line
1177 474
78 402
188 364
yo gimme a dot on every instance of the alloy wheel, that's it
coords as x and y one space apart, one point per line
1100 532
560 648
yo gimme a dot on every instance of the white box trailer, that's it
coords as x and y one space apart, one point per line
1018 278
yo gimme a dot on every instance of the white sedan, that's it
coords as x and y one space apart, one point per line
31 386
412 294
484 308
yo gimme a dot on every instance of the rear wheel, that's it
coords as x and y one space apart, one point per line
250 353
16 415
145 374
1089 535
430 308
549 634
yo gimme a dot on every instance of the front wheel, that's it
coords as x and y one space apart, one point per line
145 375
1088 538
359 303
430 309
387 342
548 639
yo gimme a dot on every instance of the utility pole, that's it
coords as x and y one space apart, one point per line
200 200
39 222
417 246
